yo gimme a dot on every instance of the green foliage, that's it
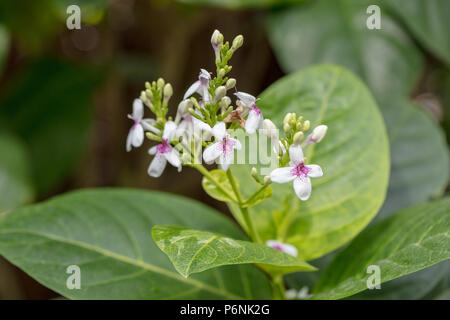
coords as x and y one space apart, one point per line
223 193
15 182
107 233
428 21
49 106
354 156
404 243
194 251
241 4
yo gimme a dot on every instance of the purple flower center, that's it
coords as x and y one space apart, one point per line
277 247
256 109
227 145
300 170
163 147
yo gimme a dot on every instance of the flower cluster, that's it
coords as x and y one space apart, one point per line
204 118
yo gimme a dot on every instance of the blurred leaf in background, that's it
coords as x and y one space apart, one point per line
49 106
241 4
4 46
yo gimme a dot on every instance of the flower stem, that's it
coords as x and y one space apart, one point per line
206 173
278 288
245 214
249 200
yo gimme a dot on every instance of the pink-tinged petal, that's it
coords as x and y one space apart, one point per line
137 135
157 166
282 175
314 171
138 109
226 159
219 130
302 187
296 154
173 157
204 93
204 74
212 152
152 150
148 125
236 143
192 89
253 122
247 99
284 247
169 130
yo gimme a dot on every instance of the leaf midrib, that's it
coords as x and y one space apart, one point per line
128 260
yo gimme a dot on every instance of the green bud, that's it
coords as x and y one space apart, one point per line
152 136
160 83
287 128
220 92
168 91
231 83
147 85
267 180
298 137
237 42
216 38
306 125
222 73
149 94
287 117
254 172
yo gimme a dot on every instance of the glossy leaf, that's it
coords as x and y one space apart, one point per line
107 233
354 157
324 31
15 181
404 243
217 193
428 21
419 156
49 106
193 251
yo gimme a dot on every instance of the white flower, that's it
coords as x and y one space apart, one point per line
135 136
200 86
223 149
297 172
190 124
164 152
270 130
255 117
302 294
284 247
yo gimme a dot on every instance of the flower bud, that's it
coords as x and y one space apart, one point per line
147 85
221 73
306 125
225 102
149 94
237 42
267 180
254 172
319 133
220 92
216 39
287 128
298 137
230 83
287 117
184 106
269 125
168 91
160 83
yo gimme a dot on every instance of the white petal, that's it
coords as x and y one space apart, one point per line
157 166
302 187
200 125
128 144
284 247
147 124
296 154
192 89
282 175
226 159
247 99
169 130
237 144
152 150
173 157
204 74
315 171
219 130
204 93
137 136
253 122
138 109
212 152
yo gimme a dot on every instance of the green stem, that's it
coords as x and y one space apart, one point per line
206 173
249 200
278 288
245 214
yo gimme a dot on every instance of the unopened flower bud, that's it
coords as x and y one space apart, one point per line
149 93
306 125
230 83
267 180
298 137
160 83
216 39
220 92
168 91
148 85
237 42
221 73
184 106
225 102
319 133
254 172
287 118
287 128
269 125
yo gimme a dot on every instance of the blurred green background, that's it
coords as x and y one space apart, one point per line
65 94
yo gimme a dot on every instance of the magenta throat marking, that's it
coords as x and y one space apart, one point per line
227 145
300 170
256 109
163 147
277 247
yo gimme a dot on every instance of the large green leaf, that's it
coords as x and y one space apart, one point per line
428 21
15 182
49 106
419 156
324 31
354 157
107 233
194 251
404 243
